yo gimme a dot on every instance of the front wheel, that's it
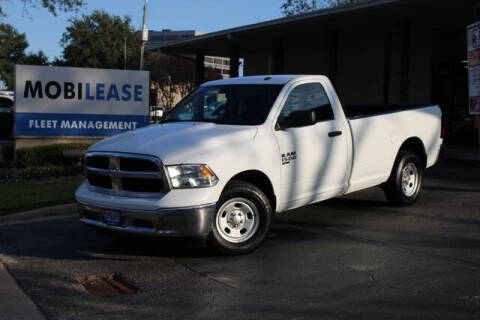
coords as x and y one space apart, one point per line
242 219
405 182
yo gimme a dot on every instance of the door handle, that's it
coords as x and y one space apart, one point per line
334 134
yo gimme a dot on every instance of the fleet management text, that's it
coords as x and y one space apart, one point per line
82 124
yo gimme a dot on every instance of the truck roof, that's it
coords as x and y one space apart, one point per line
264 79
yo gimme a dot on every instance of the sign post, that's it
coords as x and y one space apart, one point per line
473 44
58 104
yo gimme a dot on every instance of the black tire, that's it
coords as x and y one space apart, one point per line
254 199
396 192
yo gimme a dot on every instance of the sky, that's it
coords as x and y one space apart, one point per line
44 31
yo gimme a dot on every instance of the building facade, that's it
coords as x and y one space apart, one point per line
220 64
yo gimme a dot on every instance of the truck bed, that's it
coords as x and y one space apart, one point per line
355 111
378 132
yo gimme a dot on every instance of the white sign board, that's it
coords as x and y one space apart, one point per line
60 101
473 40
145 35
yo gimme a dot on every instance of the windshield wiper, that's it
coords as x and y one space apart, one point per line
209 121
203 121
170 120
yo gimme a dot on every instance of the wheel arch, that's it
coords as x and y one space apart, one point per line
393 186
260 180
415 145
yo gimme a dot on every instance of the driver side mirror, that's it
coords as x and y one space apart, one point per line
296 119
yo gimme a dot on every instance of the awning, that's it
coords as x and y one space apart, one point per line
255 37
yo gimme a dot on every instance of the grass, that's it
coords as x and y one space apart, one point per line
32 194
31 173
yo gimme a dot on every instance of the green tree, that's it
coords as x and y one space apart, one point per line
12 51
52 6
294 7
38 58
97 41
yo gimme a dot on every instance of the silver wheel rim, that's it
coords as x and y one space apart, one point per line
237 220
409 179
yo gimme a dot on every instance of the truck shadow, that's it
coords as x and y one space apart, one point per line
349 202
450 189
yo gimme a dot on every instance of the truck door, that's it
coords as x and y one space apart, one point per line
314 156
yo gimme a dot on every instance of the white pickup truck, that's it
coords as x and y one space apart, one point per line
236 151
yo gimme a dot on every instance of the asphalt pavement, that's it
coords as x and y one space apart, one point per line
353 257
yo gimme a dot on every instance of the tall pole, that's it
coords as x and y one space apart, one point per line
144 33
125 53
476 17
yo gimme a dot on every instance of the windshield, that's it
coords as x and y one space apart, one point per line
226 104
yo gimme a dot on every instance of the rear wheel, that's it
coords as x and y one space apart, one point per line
405 182
242 219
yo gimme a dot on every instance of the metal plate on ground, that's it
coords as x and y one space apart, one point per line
107 286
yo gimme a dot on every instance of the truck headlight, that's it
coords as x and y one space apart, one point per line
191 176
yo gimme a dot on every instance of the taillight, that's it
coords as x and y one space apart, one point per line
442 132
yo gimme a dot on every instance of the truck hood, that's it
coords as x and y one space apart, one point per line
176 142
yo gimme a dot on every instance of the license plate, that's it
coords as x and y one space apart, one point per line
112 217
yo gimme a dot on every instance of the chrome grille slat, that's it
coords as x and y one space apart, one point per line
104 172
128 174
140 174
116 174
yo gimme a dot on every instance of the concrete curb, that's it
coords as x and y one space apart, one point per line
14 302
55 211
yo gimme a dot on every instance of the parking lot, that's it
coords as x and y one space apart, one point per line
349 258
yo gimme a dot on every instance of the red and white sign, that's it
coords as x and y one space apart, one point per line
473 38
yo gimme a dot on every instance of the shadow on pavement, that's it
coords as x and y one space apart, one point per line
450 189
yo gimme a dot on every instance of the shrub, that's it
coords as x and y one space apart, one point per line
48 155
22 174
7 153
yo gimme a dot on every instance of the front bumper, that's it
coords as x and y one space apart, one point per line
194 221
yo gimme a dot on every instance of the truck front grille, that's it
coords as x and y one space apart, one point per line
124 172
99 180
99 162
142 185
129 164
